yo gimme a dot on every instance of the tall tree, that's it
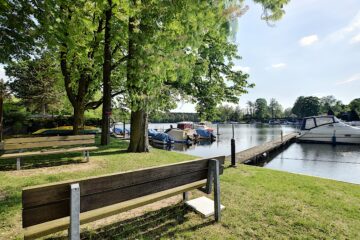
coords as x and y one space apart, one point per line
355 105
106 110
18 29
306 106
163 40
261 109
35 82
275 108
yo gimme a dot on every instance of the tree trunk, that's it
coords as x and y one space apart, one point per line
106 110
78 122
139 141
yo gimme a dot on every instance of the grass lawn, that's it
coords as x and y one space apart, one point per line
260 203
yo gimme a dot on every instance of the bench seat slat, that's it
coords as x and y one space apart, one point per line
49 139
46 144
44 229
47 152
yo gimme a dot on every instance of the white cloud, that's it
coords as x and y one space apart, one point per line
353 78
352 27
241 68
308 40
355 39
278 65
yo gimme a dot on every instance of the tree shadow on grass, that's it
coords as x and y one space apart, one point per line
153 225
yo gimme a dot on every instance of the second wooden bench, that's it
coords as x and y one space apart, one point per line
21 147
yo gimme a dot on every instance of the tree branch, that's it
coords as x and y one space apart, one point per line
94 105
121 60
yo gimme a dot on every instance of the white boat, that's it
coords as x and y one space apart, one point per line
204 125
179 135
328 129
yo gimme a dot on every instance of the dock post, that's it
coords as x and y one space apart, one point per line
217 129
233 159
282 136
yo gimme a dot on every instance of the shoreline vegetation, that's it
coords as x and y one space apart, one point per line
260 203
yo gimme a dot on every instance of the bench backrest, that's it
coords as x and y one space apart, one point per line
49 202
56 141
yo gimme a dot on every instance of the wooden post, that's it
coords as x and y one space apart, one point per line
233 132
233 158
217 129
282 136
217 206
74 229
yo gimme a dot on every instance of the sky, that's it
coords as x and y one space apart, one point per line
313 50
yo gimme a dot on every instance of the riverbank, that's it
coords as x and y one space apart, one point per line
260 203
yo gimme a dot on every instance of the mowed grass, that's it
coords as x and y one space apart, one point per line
260 203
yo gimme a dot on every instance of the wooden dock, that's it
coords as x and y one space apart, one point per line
263 149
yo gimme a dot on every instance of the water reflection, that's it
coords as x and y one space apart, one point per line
341 162
246 136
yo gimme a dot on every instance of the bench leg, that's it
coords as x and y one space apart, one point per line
18 164
86 156
185 196
74 229
214 165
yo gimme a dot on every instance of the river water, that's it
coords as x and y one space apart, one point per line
341 162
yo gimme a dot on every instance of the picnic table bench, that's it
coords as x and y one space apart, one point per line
66 205
14 147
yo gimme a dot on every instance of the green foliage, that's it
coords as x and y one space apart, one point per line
272 9
355 105
18 29
15 117
261 109
173 117
275 109
306 106
35 83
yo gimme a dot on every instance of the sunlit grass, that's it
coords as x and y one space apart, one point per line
260 203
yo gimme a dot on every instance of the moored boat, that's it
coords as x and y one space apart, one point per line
204 125
179 135
205 134
328 129
162 138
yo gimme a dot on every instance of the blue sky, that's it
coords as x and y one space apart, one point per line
313 50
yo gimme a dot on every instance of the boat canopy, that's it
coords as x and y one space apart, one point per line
313 122
185 125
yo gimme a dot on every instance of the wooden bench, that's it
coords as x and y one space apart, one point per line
66 205
14 147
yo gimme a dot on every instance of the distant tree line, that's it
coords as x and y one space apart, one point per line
261 110
173 117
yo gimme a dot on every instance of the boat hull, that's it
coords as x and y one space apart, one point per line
325 138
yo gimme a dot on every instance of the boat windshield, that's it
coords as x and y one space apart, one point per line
313 122
324 120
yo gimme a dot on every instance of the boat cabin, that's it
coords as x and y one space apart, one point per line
313 122
185 125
